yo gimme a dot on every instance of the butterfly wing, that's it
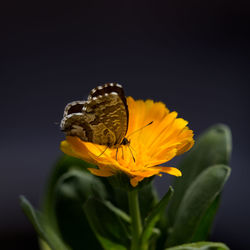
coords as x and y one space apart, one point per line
74 107
108 88
101 120
107 110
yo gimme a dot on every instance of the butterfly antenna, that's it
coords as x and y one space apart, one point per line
140 128
132 148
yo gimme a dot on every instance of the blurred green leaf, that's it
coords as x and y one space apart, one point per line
206 222
109 245
148 197
124 216
79 185
198 198
43 245
200 246
42 226
153 240
61 167
72 191
212 147
154 216
106 224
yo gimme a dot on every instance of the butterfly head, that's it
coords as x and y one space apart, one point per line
125 142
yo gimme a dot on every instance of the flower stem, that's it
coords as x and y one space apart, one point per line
136 219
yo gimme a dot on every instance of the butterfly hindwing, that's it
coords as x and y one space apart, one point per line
74 107
76 125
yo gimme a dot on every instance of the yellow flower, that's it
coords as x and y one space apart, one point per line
151 146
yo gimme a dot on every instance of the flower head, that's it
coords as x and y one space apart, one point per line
150 146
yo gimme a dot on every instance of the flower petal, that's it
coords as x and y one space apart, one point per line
101 172
134 181
169 170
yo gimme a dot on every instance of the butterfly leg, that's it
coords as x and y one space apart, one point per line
103 151
116 153
122 153
131 153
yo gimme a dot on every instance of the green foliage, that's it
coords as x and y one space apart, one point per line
213 147
71 192
63 165
199 197
106 224
42 227
155 216
83 211
205 224
200 246
147 196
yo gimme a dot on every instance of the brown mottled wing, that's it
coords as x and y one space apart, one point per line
102 121
110 116
107 89
76 125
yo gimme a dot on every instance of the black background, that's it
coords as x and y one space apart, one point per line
192 55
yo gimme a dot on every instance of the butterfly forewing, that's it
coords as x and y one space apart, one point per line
103 119
108 88
110 111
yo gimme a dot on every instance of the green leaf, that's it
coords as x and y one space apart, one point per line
124 216
72 191
213 147
148 198
119 197
106 224
200 246
154 216
42 226
109 245
205 224
79 185
43 245
198 198
62 166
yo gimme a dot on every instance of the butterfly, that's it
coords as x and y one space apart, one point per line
102 119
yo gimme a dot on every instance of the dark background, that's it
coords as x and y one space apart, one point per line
192 55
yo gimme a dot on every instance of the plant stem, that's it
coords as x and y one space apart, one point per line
136 219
